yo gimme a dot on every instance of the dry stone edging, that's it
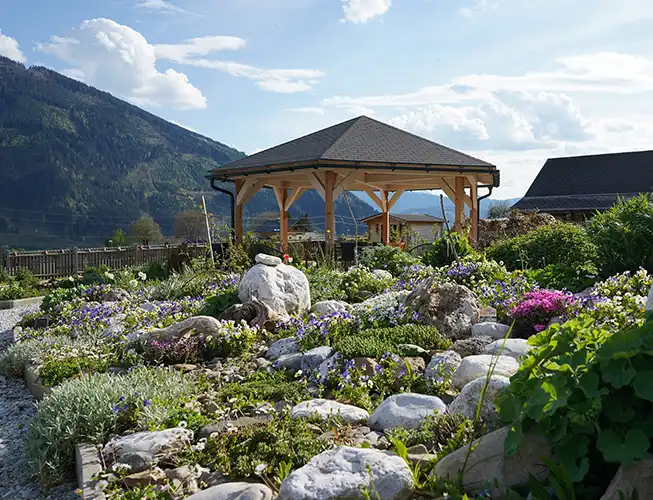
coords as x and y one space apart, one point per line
20 303
33 382
88 463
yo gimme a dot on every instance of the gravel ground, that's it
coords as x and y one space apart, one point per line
16 412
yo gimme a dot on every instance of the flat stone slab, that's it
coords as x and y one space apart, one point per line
327 410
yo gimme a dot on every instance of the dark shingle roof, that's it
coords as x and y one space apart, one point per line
593 182
408 217
362 140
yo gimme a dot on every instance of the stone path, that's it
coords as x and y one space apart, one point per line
16 412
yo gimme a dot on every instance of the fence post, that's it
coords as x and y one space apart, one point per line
75 261
7 254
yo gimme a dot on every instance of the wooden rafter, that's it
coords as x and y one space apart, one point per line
294 194
317 184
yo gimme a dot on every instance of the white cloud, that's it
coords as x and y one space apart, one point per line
308 109
119 59
273 80
197 47
9 48
361 11
160 5
481 6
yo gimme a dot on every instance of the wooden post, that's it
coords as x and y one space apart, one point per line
7 253
473 211
329 211
239 214
208 230
281 193
459 201
385 236
75 252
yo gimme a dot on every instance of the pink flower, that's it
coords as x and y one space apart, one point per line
539 328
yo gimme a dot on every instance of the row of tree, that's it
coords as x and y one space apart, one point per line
188 226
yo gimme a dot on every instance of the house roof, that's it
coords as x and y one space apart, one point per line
360 141
592 182
407 217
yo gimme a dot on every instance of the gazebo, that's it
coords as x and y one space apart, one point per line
360 154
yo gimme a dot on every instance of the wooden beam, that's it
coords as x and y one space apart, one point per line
292 198
382 178
329 210
385 234
249 188
238 209
283 219
473 212
278 194
395 198
317 183
449 190
459 202
340 186
375 198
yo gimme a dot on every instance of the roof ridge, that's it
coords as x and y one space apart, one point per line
420 138
594 155
353 121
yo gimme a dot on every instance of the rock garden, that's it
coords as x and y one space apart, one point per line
523 370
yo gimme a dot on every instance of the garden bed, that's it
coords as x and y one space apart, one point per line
11 304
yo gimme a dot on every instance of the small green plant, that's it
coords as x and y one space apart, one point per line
447 249
359 284
260 450
391 259
561 277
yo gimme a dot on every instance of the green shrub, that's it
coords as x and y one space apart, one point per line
623 235
392 259
443 433
263 387
447 249
359 284
324 283
473 273
260 450
590 393
562 243
217 304
562 277
375 342
57 297
94 407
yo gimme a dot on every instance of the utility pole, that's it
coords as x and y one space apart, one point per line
208 230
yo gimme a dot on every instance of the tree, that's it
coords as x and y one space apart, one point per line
119 239
145 230
498 210
190 225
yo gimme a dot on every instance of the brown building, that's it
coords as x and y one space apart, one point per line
575 188
416 227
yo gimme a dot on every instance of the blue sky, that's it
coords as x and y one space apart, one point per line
509 81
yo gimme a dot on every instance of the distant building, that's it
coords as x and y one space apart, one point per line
417 227
270 227
575 188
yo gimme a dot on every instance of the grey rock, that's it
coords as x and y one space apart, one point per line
326 366
473 367
382 274
490 329
283 288
471 346
329 410
630 478
466 403
282 347
137 460
268 260
291 362
406 410
343 473
442 366
326 307
153 443
223 425
488 466
312 359
234 491
515 348
649 300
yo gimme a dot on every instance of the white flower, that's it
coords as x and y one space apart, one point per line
133 283
119 467
260 469
183 424
142 276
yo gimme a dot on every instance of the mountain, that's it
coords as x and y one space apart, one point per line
415 202
77 163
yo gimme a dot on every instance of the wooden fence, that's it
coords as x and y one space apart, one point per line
72 261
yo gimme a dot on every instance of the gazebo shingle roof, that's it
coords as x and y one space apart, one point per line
363 140
586 183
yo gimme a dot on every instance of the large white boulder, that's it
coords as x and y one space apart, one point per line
327 410
283 288
343 473
466 402
153 443
234 491
442 366
487 465
474 367
515 348
406 410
